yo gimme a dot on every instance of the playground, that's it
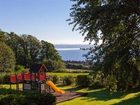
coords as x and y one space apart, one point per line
38 80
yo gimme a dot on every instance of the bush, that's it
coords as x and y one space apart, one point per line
97 79
55 79
84 80
4 79
111 83
20 68
68 80
76 66
26 98
54 65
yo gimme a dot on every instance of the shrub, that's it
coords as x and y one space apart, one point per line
68 80
55 79
4 79
111 83
20 68
97 79
1 79
84 80
26 98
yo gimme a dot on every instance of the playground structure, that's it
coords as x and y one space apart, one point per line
36 79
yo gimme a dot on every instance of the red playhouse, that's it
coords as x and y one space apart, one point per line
36 79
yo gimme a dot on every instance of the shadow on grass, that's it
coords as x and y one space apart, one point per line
132 101
103 95
70 88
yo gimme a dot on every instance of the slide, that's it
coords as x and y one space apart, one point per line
53 86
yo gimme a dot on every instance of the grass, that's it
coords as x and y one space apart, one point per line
99 97
96 96
103 97
66 74
13 86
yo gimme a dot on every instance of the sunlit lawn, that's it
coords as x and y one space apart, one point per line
103 97
97 97
13 86
66 74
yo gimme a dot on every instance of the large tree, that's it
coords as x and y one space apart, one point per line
2 36
26 48
13 40
7 58
117 24
29 50
31 47
50 56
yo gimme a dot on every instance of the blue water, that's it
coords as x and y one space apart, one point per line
72 52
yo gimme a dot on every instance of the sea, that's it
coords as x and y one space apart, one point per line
73 52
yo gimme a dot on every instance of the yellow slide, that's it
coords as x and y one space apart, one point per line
53 86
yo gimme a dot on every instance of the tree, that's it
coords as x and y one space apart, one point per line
7 58
117 24
13 40
31 48
2 36
50 56
26 48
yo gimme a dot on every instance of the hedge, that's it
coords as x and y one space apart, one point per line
11 97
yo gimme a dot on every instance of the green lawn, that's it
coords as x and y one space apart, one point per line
103 97
100 97
13 86
66 74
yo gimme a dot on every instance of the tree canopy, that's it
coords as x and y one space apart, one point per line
7 58
29 50
117 24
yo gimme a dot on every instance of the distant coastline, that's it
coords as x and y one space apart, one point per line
72 52
72 45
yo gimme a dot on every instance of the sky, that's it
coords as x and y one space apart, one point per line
44 19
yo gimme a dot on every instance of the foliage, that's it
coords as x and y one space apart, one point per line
7 58
55 79
25 47
68 80
83 81
11 97
29 50
77 65
20 68
111 83
4 78
97 80
117 24
2 36
54 65
50 57
103 97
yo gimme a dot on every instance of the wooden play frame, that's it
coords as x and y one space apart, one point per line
35 81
